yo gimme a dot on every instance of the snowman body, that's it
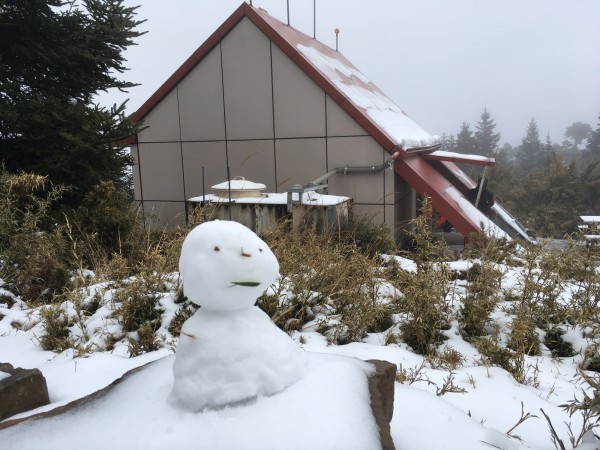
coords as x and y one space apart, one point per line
230 351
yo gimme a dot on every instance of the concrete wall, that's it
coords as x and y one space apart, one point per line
248 106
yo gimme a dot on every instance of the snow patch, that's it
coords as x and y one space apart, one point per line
366 96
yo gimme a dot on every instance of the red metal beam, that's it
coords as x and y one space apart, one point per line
446 198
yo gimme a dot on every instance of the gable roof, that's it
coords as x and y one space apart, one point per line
330 70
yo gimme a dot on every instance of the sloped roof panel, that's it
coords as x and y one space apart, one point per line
368 98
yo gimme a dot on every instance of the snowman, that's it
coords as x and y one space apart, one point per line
229 351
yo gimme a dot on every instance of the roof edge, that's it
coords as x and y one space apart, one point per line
475 160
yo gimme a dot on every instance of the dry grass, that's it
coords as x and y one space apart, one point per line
325 275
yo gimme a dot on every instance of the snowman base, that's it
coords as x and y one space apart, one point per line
231 357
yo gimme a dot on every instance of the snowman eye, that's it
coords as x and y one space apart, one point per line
217 249
260 250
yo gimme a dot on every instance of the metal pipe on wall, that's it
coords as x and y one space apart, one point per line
347 170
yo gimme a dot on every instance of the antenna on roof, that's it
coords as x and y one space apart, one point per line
288 11
314 19
250 2
337 32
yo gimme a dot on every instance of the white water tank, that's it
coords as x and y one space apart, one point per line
240 188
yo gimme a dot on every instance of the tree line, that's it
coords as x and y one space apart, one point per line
546 185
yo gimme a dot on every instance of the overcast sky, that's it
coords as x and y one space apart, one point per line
441 61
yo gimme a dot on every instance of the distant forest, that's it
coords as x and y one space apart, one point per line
545 185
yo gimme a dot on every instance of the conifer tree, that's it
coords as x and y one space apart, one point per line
465 142
549 150
530 155
55 56
485 138
448 143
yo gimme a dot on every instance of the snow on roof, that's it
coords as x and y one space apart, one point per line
511 221
460 157
308 198
366 96
488 227
590 219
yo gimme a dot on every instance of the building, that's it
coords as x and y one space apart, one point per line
280 108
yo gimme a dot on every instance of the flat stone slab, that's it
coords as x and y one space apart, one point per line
329 408
21 390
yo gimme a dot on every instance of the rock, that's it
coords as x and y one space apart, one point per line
381 388
23 390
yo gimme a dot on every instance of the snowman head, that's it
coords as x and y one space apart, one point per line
225 266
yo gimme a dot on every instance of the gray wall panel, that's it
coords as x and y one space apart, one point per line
247 82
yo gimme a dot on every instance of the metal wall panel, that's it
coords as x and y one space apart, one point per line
247 83
299 161
201 101
162 121
299 103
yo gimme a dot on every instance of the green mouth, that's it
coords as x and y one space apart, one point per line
245 283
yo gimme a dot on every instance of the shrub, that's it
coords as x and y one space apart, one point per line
522 337
143 341
556 344
494 353
56 329
424 300
185 311
32 246
370 238
481 299
480 246
108 223
138 306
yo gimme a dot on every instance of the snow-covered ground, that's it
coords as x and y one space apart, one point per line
471 406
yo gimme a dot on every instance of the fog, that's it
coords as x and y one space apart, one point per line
440 61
